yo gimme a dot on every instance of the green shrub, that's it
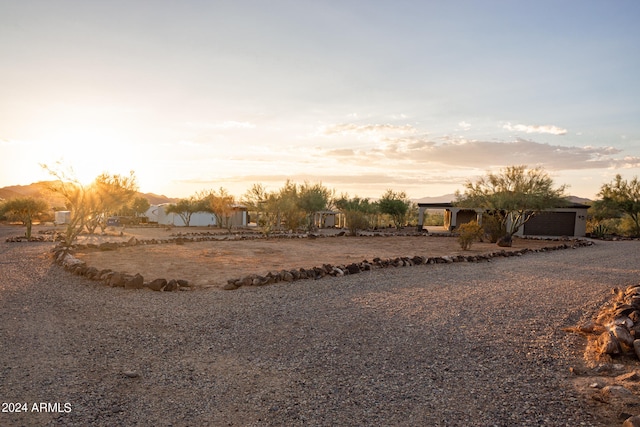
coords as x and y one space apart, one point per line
493 228
599 231
469 233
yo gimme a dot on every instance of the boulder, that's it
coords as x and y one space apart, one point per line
172 285
117 280
136 282
608 344
353 268
108 246
622 335
632 421
246 281
157 284
505 242
230 287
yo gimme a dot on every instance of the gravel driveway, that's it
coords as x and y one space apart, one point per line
448 344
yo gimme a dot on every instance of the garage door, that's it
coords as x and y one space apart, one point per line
551 224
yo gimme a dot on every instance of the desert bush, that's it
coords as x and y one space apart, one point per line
469 233
493 227
599 231
356 220
434 219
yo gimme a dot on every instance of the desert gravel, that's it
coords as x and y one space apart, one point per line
464 344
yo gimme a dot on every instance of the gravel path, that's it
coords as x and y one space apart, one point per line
446 344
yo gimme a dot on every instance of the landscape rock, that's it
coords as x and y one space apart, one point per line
622 335
135 282
630 376
117 280
608 344
108 246
633 421
505 242
616 391
157 284
230 287
172 285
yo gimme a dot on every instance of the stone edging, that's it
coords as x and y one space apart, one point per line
355 268
63 257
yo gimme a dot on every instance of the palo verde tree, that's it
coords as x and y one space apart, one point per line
288 206
513 196
396 205
358 212
621 197
89 203
222 205
264 205
109 194
313 198
185 208
25 210
136 208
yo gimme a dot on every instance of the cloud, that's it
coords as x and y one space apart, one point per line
340 152
352 128
417 153
229 124
464 125
341 180
548 129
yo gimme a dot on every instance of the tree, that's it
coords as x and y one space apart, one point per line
107 195
221 204
396 205
512 196
357 212
76 200
311 199
290 211
25 210
185 208
90 204
621 197
138 206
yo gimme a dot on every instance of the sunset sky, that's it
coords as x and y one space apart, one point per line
362 96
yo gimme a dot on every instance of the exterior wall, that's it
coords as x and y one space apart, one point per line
62 217
580 225
451 220
157 214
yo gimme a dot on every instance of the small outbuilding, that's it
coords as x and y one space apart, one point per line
62 217
157 214
569 220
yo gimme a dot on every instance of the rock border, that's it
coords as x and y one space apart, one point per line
63 256
340 270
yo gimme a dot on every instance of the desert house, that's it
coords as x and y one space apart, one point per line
157 214
569 220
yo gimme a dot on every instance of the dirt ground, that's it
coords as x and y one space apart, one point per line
212 263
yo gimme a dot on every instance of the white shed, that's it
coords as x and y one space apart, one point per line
157 214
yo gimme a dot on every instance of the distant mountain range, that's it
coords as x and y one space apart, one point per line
41 189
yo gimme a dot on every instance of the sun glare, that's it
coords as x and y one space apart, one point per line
87 152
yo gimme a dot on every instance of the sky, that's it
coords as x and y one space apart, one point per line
361 96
